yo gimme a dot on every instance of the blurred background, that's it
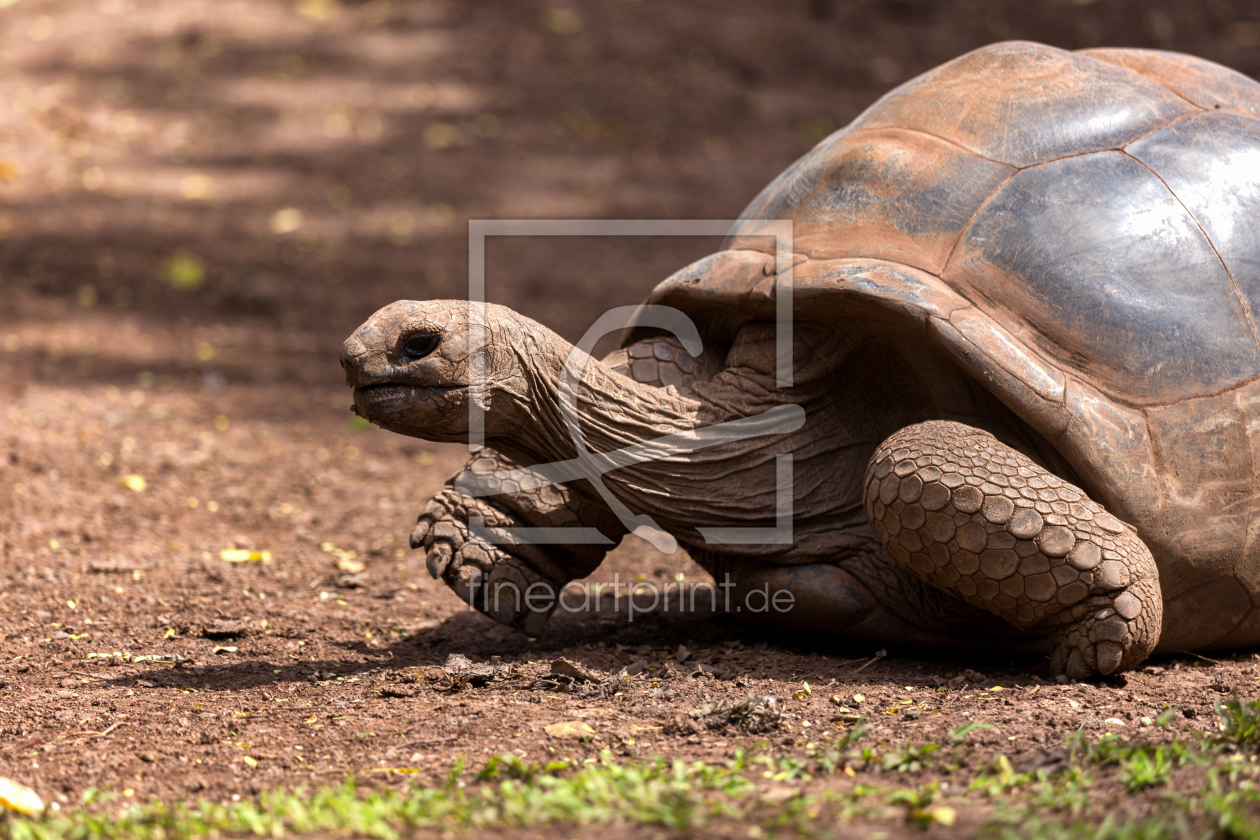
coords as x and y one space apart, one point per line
199 200
263 174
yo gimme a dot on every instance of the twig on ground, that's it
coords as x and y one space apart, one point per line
93 734
879 654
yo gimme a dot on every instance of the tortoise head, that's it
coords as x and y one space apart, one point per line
410 367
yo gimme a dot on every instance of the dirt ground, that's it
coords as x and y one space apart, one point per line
200 199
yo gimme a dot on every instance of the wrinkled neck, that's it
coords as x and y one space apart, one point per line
569 399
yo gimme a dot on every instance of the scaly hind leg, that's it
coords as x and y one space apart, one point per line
865 595
977 519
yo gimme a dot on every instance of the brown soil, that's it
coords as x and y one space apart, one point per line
202 199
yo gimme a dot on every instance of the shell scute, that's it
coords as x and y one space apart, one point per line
888 194
1103 283
1211 163
1205 83
1028 103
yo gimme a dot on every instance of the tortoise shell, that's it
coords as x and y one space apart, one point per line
1080 232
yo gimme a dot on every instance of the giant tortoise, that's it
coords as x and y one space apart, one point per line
1025 354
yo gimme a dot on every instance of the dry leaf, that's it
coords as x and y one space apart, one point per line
570 729
185 272
223 650
18 797
286 221
942 814
564 668
241 555
349 564
132 482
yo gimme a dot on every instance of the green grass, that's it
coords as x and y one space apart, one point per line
1224 777
506 792
1216 811
838 781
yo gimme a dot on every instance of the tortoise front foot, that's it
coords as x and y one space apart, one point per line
974 517
1118 625
504 586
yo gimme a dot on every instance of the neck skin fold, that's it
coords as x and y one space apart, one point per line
727 484
610 410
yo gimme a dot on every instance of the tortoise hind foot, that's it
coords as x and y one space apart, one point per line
815 598
860 597
974 517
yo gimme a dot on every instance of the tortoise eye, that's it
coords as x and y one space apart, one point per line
418 346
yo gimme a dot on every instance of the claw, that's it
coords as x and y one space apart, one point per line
1077 670
1058 661
438 559
419 532
1109 656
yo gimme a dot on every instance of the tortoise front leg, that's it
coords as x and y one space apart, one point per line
497 579
490 577
975 518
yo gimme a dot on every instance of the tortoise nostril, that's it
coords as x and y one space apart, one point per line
350 369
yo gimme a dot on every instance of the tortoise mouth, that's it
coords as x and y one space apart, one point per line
394 395
393 388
